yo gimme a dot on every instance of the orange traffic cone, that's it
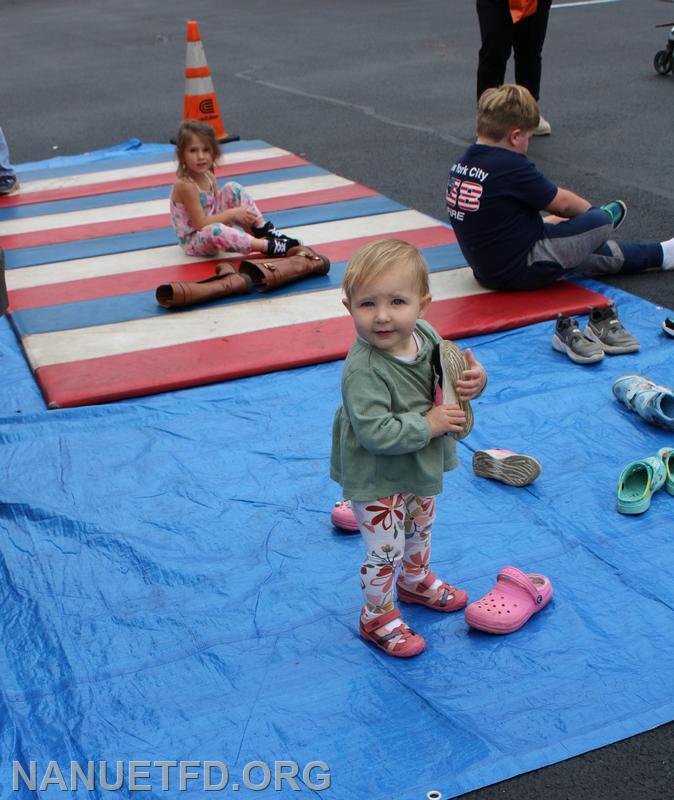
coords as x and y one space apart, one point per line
201 102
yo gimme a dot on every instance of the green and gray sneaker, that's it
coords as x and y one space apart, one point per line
571 340
618 211
605 328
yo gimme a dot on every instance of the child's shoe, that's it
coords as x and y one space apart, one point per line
262 231
569 339
401 641
617 210
505 466
607 330
668 326
443 598
342 516
515 598
649 400
666 455
638 482
278 244
449 363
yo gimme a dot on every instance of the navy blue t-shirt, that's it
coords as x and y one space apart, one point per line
494 197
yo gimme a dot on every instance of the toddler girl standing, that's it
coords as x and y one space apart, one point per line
208 220
388 445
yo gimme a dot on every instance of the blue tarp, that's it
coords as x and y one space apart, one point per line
172 589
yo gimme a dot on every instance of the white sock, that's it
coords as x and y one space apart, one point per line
667 254
411 582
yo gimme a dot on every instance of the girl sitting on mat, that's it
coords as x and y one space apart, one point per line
208 220
389 450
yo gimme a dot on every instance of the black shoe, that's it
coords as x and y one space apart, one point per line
263 231
280 244
8 184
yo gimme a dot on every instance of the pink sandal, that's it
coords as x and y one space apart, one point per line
342 516
401 642
444 598
515 598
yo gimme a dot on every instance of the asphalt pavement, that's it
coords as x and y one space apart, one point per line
382 92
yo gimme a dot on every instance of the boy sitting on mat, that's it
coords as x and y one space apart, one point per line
495 196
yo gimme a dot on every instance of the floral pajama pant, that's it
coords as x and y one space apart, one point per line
396 531
213 238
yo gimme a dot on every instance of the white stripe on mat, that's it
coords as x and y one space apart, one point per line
168 330
141 171
260 191
137 260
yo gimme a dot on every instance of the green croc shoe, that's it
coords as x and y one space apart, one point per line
666 455
638 483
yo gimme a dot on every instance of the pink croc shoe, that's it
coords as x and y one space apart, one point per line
342 517
515 598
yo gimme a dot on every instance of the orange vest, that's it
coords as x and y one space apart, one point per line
519 9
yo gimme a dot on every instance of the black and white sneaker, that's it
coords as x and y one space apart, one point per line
278 244
262 231
668 326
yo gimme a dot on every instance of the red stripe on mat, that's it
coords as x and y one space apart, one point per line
101 380
116 227
147 181
148 279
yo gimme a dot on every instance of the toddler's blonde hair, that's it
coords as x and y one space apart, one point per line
502 109
374 258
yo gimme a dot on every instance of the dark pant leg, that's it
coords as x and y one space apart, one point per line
528 38
496 30
3 289
622 258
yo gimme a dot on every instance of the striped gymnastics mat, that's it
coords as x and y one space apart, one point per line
87 244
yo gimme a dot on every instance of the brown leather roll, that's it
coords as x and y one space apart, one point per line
190 293
270 273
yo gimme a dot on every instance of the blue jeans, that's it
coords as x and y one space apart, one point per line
582 245
5 165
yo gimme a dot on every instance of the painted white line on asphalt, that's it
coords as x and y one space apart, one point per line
583 3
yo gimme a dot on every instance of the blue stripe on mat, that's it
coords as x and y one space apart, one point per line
104 160
89 248
142 305
153 193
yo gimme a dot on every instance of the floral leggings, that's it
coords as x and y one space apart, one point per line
395 529
213 238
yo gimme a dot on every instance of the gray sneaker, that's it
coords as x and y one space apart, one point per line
606 329
571 340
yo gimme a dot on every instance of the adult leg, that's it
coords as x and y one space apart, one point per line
6 169
528 38
496 31
3 287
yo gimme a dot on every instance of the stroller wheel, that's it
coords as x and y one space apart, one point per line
663 62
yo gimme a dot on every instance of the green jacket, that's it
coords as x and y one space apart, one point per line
381 439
